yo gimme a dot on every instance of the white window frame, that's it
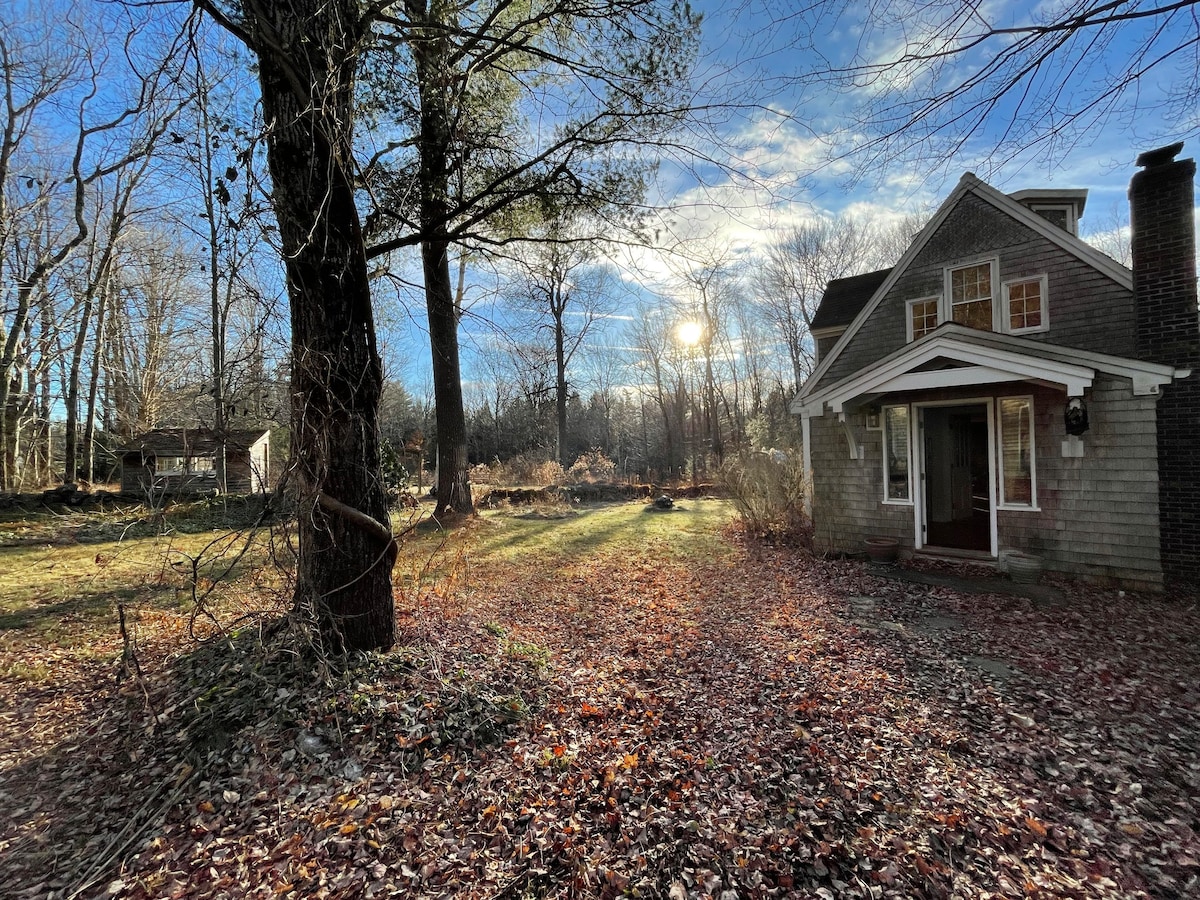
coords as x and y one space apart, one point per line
890 501
908 314
947 307
1007 286
1003 502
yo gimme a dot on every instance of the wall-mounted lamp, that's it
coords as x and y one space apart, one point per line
1076 416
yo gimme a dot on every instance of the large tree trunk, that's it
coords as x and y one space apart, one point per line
430 54
307 56
453 486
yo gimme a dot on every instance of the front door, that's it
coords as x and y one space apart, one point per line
955 477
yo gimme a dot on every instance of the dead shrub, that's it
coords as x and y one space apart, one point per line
768 489
592 467
523 470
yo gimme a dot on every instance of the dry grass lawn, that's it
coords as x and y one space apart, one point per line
586 702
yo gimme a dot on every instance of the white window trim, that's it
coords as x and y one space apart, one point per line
1002 501
1045 326
908 314
946 313
888 501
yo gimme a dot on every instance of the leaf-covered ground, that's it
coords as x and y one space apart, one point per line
625 703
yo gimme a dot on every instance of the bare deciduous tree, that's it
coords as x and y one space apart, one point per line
927 77
804 260
560 291
47 65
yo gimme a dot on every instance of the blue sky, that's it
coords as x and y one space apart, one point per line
778 153
790 146
783 151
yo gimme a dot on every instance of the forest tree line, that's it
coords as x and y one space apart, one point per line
142 288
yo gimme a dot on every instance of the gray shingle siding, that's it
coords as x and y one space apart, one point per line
1097 516
1087 310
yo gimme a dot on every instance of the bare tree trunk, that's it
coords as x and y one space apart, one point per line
560 381
10 379
71 438
453 487
430 54
307 58
89 421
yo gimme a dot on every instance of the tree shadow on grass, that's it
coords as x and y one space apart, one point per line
45 617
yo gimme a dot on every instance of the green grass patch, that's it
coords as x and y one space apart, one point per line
67 593
692 527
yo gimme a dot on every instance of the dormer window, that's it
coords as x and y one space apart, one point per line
1025 305
1062 207
1056 215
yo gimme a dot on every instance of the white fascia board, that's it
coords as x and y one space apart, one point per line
961 376
1136 370
991 363
829 331
917 245
970 183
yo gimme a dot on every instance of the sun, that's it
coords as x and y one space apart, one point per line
689 333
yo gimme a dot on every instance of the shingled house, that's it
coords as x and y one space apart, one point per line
1008 387
183 460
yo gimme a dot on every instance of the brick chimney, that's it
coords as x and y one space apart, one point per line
1162 216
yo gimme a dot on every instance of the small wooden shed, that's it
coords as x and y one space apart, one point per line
183 461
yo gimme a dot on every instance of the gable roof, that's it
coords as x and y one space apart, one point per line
967 184
844 299
969 357
190 441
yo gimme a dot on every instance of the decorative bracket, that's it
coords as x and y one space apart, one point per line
857 451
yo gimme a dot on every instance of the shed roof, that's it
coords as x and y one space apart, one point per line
844 298
190 441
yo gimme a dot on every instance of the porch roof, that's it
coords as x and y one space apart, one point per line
956 356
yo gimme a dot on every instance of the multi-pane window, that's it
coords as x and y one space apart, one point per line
896 453
922 317
1026 304
1016 451
971 296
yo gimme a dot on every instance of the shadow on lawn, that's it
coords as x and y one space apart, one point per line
95 608
593 530
90 598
